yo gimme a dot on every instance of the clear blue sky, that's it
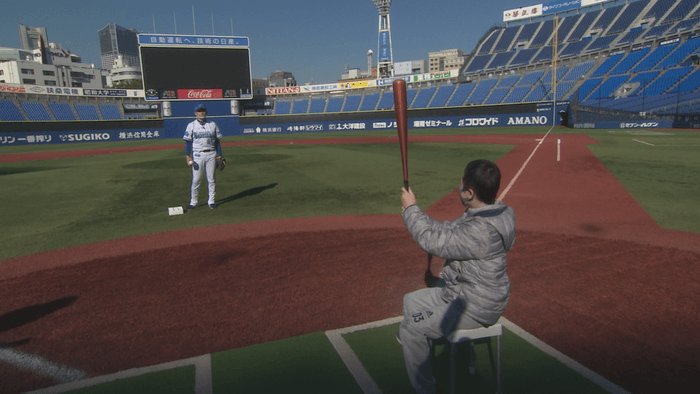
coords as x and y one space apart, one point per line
313 39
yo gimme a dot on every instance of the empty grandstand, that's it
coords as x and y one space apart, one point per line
639 56
611 52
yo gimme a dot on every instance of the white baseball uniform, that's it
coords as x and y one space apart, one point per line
205 138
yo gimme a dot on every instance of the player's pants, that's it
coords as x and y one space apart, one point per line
427 317
203 162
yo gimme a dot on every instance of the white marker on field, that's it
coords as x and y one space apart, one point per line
643 142
559 150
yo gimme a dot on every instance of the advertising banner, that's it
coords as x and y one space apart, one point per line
585 3
522 13
77 136
434 122
559 6
65 91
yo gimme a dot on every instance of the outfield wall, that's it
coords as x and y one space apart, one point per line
181 113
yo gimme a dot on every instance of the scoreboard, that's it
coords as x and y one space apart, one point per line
186 67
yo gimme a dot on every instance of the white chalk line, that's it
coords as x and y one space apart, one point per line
202 383
520 171
643 142
370 387
39 365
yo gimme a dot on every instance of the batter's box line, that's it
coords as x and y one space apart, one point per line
368 386
202 376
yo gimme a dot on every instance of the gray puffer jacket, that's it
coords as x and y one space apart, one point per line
474 248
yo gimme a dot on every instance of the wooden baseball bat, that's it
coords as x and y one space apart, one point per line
402 124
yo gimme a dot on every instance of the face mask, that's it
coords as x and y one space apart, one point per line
464 200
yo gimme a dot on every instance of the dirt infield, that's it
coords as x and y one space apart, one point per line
599 281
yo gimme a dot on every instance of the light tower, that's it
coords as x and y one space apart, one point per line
385 58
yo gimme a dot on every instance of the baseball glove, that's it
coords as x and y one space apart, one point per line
221 164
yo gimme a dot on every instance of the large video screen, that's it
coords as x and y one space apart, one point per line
196 73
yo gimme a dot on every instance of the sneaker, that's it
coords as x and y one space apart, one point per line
190 207
212 206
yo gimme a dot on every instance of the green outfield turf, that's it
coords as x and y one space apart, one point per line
51 204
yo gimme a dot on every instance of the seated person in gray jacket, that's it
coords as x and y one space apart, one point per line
473 288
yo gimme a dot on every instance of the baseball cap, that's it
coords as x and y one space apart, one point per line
199 107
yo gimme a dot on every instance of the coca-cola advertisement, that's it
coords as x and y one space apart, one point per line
200 94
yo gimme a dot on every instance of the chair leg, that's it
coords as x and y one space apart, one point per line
472 358
498 365
453 368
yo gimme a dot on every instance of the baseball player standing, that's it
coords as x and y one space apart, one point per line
202 149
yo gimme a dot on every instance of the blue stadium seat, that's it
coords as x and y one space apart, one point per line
527 32
659 9
36 112
282 107
654 57
656 31
517 94
523 56
506 39
531 78
539 92
369 103
587 87
110 112
410 95
300 106
62 111
601 43
500 60
679 54
423 97
481 91
583 25
317 104
496 96
607 65
460 96
607 17
387 101
478 63
565 27
629 61
578 71
666 81
691 83
488 44
543 34
352 103
9 112
86 112
441 96
508 81
334 104
628 16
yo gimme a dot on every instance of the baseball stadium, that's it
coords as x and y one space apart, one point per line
295 282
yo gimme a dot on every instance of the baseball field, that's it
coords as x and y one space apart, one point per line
306 255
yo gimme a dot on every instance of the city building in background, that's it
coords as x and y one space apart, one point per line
122 73
446 60
31 37
116 41
44 63
411 67
280 79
